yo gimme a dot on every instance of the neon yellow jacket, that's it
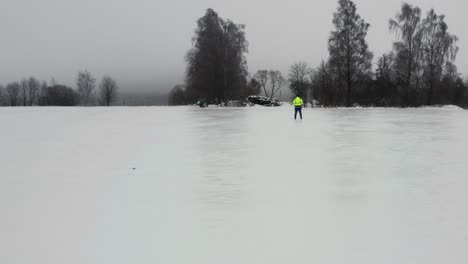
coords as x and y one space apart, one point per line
298 102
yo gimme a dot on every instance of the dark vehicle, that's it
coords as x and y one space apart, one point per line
262 100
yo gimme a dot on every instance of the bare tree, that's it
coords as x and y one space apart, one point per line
299 71
270 81
12 93
262 78
33 88
86 84
107 90
299 74
276 82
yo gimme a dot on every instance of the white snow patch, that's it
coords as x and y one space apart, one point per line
452 107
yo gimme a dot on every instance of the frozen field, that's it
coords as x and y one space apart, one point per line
185 185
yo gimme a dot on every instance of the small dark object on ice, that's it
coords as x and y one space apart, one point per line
262 100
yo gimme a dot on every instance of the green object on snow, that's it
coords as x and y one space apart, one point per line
201 102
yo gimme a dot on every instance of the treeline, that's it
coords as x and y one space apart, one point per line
32 92
419 70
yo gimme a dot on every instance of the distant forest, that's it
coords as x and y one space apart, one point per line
32 92
419 70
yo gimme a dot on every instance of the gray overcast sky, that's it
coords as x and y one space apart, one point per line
142 43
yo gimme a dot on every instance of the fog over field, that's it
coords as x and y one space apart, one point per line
143 43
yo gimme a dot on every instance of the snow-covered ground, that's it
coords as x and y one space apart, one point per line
187 185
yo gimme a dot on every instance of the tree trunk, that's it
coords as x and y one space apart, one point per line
348 81
348 72
431 87
410 64
272 92
266 93
408 81
348 96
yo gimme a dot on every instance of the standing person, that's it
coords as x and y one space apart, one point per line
298 104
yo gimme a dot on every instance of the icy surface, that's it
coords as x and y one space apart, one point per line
187 185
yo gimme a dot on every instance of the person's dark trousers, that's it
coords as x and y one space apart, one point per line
298 110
